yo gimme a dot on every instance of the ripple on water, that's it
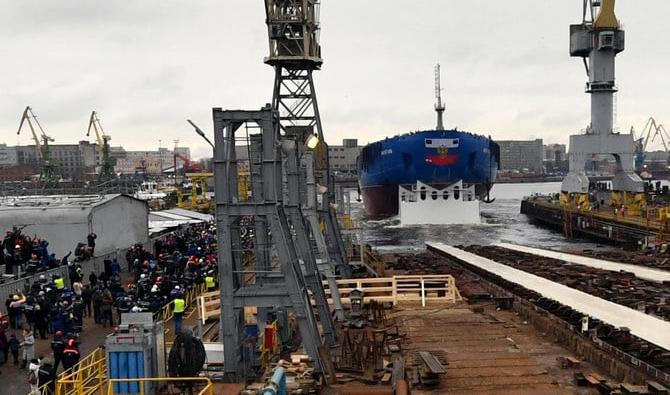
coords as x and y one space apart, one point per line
501 222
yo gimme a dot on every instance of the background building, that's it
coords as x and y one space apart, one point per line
555 158
8 156
525 156
74 161
343 157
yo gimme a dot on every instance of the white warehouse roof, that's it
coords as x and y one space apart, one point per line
64 220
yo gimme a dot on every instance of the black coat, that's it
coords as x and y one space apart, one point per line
46 374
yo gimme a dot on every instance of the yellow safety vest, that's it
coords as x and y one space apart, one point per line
179 305
60 283
209 280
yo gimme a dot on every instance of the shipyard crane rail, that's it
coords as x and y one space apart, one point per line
102 139
48 166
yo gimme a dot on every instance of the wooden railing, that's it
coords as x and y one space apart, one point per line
424 289
209 305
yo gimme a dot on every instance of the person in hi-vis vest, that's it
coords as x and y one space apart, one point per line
178 305
210 281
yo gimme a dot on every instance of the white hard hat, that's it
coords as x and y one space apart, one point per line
143 275
177 287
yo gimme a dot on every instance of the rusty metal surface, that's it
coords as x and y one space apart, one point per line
616 265
622 288
619 343
659 259
489 352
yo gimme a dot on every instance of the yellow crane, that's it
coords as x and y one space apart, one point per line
106 167
48 165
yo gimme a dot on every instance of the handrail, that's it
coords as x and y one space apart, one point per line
207 390
77 380
165 313
86 377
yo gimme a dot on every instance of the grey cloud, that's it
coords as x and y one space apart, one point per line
147 65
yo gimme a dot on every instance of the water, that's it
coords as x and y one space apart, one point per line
501 221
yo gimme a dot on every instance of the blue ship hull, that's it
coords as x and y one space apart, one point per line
434 157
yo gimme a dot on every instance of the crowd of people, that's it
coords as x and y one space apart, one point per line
52 310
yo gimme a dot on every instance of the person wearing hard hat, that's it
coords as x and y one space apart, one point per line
59 282
178 306
210 281
16 309
58 346
70 354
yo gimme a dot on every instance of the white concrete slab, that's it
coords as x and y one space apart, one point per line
641 272
654 330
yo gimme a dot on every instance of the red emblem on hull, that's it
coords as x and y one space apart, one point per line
442 160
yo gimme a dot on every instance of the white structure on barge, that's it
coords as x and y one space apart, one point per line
426 205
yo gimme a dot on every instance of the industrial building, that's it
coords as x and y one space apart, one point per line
521 155
7 156
343 157
119 221
555 152
73 161
555 158
78 162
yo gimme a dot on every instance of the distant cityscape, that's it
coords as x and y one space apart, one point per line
78 162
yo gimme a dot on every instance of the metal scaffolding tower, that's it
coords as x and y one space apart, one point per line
293 31
264 256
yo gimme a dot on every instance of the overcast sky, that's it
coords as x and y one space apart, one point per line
147 65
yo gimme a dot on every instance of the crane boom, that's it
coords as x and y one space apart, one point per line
28 117
106 166
651 130
48 173
100 136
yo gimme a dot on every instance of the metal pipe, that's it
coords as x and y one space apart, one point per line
277 385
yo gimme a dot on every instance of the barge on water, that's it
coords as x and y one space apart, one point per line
648 228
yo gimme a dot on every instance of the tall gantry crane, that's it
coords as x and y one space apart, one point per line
106 166
48 166
598 39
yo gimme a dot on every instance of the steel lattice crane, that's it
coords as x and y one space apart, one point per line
48 166
650 132
106 167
